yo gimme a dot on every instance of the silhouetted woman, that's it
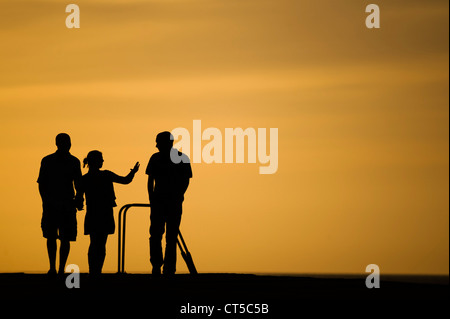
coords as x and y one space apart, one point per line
100 199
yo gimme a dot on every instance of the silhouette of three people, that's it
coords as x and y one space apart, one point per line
169 173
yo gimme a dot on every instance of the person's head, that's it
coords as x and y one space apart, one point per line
94 160
63 142
164 141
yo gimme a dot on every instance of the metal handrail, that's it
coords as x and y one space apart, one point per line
121 234
121 242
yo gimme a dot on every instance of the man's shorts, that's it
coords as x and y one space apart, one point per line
59 221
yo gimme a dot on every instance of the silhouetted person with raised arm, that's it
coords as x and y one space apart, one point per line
59 173
98 187
169 172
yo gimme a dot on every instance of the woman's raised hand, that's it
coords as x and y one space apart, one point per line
135 168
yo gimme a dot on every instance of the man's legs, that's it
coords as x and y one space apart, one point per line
67 228
63 254
51 250
58 222
50 232
157 223
173 228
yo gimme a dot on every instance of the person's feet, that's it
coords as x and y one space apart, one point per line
61 274
168 275
95 276
156 272
51 274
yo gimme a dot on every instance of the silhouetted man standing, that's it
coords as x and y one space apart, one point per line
169 172
58 175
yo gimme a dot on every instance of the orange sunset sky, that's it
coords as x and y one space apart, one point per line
363 120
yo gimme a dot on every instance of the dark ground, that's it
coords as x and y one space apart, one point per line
281 293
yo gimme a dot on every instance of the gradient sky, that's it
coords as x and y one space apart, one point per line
363 119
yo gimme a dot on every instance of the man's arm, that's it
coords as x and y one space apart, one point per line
151 188
187 175
43 192
77 181
184 186
43 187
